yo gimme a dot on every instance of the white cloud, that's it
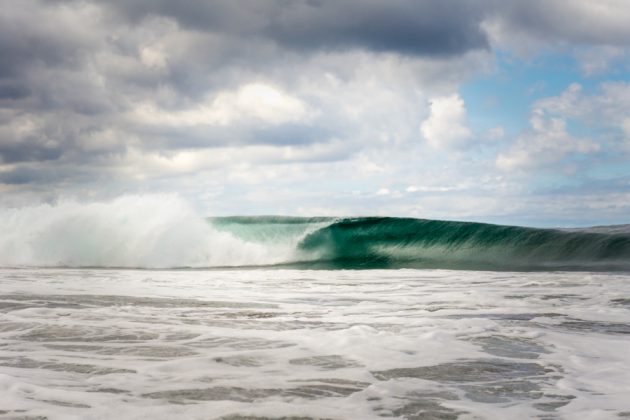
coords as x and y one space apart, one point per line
597 60
446 126
605 108
259 101
253 101
153 57
546 144
549 141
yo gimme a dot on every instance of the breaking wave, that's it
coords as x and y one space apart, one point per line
162 231
153 231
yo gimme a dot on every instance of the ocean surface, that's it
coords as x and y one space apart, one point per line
337 344
139 309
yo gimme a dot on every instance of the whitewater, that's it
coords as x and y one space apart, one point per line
140 308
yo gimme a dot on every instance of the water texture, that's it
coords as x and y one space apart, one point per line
310 344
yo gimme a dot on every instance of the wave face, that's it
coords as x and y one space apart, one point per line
162 231
395 243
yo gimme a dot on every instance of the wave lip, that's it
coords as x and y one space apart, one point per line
162 231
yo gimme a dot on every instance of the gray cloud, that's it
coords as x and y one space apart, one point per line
11 91
405 26
28 151
568 23
26 175
75 68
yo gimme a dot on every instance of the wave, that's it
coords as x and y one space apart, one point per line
162 231
373 242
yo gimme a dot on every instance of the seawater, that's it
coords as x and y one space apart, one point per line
340 344
165 232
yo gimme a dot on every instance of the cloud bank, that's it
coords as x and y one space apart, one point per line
300 107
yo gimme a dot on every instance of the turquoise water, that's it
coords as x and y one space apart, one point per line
386 242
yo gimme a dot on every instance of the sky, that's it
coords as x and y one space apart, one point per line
490 110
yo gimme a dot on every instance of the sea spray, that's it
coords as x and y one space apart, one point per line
149 231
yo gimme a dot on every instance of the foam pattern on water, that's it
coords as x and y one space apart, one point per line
99 344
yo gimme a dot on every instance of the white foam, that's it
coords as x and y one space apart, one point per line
131 231
267 331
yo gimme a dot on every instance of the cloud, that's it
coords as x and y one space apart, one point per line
605 108
405 26
607 105
261 105
597 60
604 111
539 23
162 76
446 126
253 101
547 143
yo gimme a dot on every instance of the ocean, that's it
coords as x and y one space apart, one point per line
141 311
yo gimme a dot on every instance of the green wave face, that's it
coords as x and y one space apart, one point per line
373 242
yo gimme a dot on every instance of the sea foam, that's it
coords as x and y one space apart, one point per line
253 344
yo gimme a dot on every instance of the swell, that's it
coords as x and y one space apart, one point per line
163 231
374 242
